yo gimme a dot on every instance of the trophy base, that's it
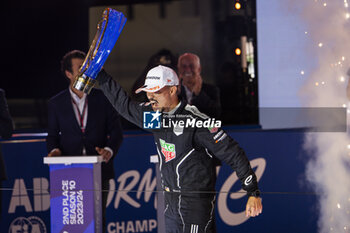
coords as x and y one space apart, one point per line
84 83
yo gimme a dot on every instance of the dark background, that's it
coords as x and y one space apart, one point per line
36 34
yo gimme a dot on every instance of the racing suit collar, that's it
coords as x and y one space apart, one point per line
172 112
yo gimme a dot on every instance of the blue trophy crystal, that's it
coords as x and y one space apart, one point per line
108 31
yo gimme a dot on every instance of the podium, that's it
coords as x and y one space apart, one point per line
75 194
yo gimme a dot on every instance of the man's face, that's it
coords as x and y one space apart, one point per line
160 100
76 64
189 68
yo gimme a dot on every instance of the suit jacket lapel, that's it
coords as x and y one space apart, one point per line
69 111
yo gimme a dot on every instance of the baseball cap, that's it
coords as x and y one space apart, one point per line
157 78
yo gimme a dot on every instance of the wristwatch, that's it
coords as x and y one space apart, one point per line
255 193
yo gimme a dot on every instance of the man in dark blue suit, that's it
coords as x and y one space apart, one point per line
6 128
80 124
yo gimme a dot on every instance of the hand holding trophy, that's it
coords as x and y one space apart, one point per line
108 31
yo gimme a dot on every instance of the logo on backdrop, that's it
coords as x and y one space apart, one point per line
151 120
31 224
20 197
228 216
146 184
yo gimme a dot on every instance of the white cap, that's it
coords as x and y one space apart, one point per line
159 77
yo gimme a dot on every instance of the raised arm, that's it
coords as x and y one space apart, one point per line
130 110
227 150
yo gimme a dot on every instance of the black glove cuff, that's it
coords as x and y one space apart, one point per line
255 193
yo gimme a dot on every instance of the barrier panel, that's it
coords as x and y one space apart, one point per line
276 156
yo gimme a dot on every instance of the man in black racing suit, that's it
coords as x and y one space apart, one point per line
186 152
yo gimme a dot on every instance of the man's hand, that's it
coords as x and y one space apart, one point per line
254 207
106 154
193 83
55 152
197 85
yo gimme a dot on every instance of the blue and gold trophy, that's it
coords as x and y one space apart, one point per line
108 31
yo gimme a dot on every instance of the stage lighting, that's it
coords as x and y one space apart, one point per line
238 5
238 51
